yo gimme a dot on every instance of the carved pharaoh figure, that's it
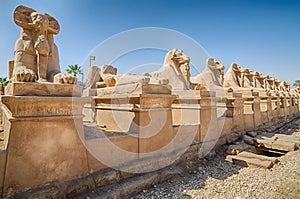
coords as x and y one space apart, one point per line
36 55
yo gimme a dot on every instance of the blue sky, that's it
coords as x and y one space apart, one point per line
263 35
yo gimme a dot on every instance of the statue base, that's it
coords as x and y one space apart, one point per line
43 142
43 89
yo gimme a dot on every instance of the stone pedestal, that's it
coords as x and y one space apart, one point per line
148 115
277 111
155 127
270 115
295 105
298 103
273 113
265 108
89 111
186 108
235 110
283 106
44 144
257 112
42 89
291 105
287 105
249 113
209 127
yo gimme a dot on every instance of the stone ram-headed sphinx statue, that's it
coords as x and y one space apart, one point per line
36 55
212 77
233 78
174 72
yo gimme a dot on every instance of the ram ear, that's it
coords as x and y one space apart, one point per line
54 27
22 17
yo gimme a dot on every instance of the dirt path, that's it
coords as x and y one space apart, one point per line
218 178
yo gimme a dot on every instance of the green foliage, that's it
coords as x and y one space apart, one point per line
296 83
3 82
74 70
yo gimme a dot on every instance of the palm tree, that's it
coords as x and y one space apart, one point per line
296 83
74 70
3 83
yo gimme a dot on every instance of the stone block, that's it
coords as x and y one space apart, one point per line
44 144
249 121
184 136
112 150
43 89
232 137
155 132
3 156
283 145
249 140
156 89
94 165
249 162
116 119
35 106
256 156
252 133
42 152
186 114
105 177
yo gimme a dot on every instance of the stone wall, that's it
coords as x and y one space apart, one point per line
45 142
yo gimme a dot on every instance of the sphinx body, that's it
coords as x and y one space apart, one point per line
233 77
211 78
174 73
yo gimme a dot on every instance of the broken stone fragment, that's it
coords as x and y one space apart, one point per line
232 137
248 139
252 162
239 147
211 155
252 133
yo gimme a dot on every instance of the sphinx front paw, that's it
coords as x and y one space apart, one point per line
64 78
25 75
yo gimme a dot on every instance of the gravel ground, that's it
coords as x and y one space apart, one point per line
218 178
